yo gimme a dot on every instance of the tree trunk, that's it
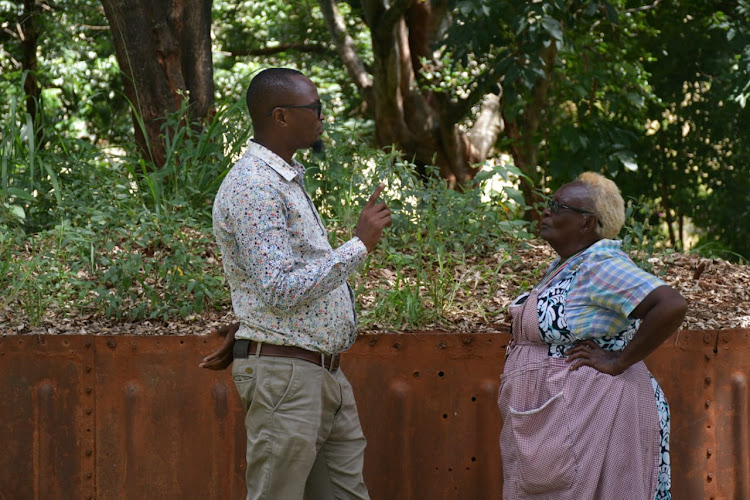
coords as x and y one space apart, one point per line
524 134
422 124
665 203
163 48
29 43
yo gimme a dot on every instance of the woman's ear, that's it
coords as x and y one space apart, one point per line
590 222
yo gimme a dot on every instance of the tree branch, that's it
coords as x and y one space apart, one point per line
315 48
346 49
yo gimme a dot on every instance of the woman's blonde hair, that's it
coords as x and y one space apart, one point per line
609 206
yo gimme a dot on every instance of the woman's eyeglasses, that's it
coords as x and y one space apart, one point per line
555 207
316 106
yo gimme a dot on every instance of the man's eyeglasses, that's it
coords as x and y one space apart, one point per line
555 207
316 106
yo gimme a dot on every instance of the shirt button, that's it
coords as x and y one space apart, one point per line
248 370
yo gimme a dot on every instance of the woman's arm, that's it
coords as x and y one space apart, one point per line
661 312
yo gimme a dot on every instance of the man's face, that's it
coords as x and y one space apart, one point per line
304 115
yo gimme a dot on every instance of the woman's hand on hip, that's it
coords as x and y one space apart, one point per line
588 353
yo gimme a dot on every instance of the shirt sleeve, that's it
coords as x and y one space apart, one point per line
616 283
283 279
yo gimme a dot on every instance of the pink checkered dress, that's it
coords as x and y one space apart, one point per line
573 435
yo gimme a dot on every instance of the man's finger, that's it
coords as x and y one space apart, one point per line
375 194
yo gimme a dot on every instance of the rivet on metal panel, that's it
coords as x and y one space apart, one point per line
89 475
397 345
88 369
710 477
416 373
89 453
88 390
442 345
89 411
467 340
373 341
87 344
708 380
707 338
708 403
708 357
111 344
709 452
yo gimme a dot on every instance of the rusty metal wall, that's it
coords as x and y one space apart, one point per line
134 417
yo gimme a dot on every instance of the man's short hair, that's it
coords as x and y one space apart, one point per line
265 87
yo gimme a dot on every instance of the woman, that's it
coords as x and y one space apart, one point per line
582 416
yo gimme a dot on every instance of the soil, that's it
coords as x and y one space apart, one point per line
717 291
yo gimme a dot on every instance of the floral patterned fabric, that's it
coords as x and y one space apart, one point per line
289 287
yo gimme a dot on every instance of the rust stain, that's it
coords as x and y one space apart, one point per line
134 417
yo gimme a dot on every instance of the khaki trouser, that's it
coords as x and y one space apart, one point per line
303 431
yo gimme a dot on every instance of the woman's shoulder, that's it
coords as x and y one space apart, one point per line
605 253
605 249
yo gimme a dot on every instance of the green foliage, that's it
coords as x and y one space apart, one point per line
87 232
76 69
437 235
642 236
197 158
653 95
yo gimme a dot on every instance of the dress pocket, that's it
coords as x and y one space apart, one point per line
535 410
545 451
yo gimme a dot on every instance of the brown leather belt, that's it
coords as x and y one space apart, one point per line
245 348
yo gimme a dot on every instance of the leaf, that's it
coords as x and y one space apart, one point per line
515 195
627 159
553 27
20 193
16 211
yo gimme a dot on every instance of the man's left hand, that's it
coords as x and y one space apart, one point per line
222 357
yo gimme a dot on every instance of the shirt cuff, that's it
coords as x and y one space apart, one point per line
357 245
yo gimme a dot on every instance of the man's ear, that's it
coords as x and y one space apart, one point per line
278 117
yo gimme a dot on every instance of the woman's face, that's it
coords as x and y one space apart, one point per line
563 223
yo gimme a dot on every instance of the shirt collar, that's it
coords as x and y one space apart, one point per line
287 171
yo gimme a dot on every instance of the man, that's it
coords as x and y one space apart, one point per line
295 307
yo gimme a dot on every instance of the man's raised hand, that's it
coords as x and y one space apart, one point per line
373 219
